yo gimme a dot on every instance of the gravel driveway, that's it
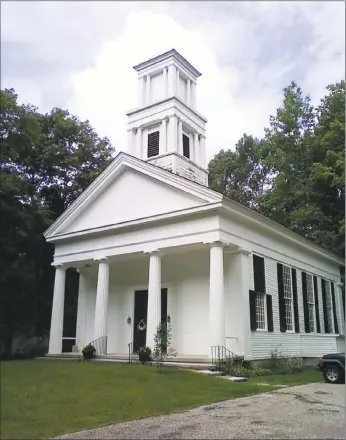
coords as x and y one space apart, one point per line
301 412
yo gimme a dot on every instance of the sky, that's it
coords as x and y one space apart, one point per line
79 56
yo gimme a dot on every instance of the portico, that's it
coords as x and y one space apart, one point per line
198 300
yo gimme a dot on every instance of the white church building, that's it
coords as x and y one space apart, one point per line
152 242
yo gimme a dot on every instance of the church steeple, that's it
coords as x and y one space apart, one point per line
166 129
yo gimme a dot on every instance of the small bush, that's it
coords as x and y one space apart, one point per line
281 364
232 368
31 348
249 372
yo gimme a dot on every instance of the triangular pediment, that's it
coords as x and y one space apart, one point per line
130 190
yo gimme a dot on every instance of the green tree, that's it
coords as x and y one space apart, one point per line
46 162
241 174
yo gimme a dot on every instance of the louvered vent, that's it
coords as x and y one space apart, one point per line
186 146
153 143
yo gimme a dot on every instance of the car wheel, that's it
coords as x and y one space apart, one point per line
332 373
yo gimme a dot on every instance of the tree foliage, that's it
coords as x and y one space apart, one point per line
47 160
296 173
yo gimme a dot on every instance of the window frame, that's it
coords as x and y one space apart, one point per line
264 295
289 268
331 307
308 274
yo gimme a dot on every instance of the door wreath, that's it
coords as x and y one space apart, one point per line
141 325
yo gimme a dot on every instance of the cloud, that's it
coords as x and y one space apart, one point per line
80 55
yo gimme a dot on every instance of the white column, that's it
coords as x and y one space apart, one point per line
163 137
154 297
81 328
165 81
202 153
244 337
196 148
141 91
180 136
340 308
188 92
177 82
192 148
171 80
57 320
216 296
139 143
148 90
193 94
101 306
172 134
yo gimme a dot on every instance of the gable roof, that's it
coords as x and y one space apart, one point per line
116 168
207 195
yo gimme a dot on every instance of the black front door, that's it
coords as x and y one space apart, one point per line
140 320
140 317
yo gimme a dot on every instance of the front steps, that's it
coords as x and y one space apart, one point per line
177 362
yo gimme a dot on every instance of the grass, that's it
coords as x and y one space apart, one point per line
304 377
46 398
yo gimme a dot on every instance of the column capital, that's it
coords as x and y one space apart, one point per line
166 119
339 284
101 259
59 265
153 252
217 243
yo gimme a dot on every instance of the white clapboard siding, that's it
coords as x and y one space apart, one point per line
292 344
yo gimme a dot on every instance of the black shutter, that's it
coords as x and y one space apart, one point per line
318 325
295 300
259 274
282 314
305 301
153 143
270 313
252 301
336 326
325 315
186 146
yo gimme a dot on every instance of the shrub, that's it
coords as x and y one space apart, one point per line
88 352
162 344
281 364
229 368
31 348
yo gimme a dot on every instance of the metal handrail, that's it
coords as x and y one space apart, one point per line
100 345
220 355
130 345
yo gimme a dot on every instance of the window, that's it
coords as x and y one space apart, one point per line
329 308
288 298
186 146
153 143
310 302
260 311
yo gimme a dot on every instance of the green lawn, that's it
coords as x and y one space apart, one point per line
46 398
306 376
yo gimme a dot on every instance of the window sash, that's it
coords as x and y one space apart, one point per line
329 307
288 298
260 302
311 302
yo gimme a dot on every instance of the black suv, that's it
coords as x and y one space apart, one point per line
333 367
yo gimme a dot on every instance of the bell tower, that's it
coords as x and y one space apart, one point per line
166 129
